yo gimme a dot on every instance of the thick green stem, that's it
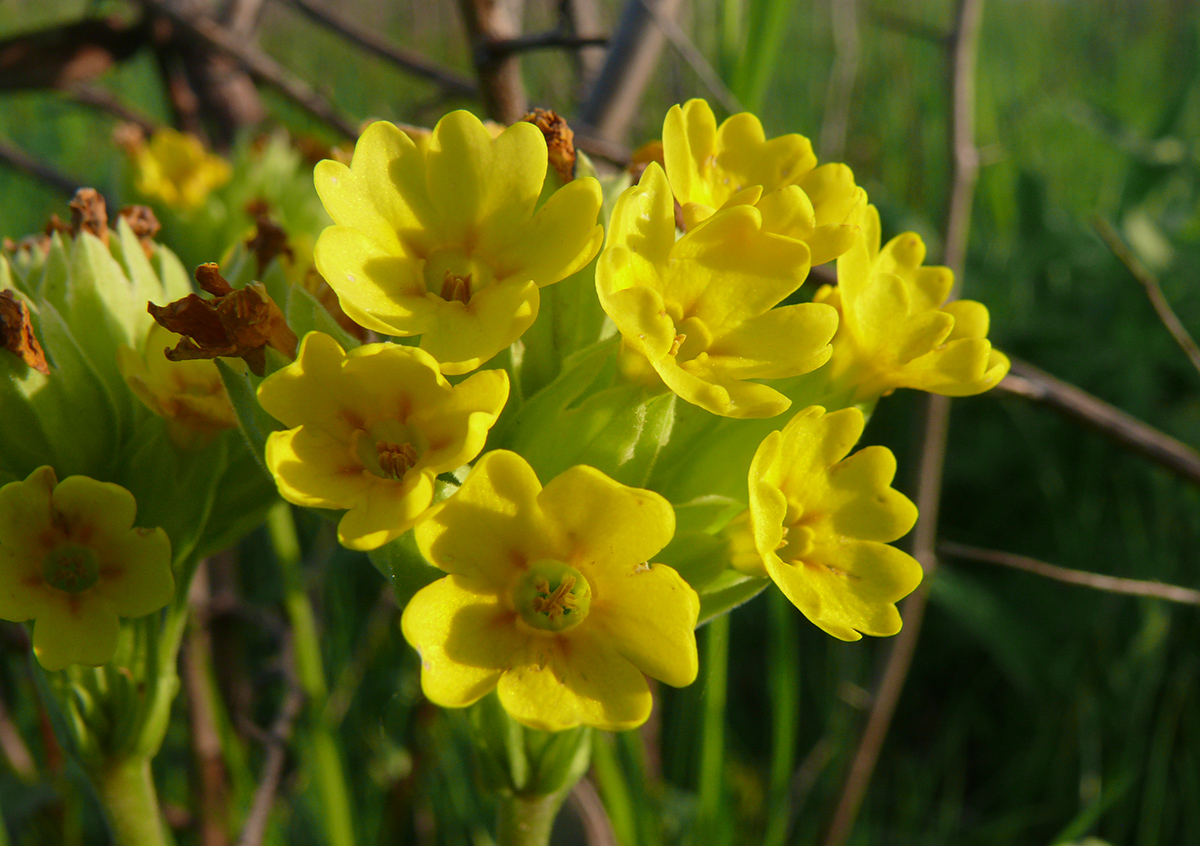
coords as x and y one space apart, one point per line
127 791
527 820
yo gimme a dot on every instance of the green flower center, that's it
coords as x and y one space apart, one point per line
454 276
389 449
552 596
71 567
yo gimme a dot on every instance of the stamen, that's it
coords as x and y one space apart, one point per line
676 344
456 287
395 460
555 604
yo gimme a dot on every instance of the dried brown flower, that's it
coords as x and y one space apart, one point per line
560 140
16 333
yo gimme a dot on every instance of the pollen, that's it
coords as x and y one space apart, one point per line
676 344
395 460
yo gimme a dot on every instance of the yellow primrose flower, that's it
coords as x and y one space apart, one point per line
712 167
898 331
551 598
445 241
71 561
701 309
821 523
175 168
370 430
188 394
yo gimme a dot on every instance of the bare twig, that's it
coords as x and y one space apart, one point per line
542 41
259 65
106 101
327 15
692 55
68 53
1110 584
272 771
841 78
26 163
633 51
596 826
1027 381
581 16
489 22
963 48
1153 291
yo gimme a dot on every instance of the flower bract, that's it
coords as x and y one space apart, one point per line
551 598
898 331
712 167
370 430
822 522
701 310
446 241
71 560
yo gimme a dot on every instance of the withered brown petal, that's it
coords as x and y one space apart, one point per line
16 333
89 213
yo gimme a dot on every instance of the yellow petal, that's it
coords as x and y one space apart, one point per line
492 526
466 638
970 319
387 510
835 197
22 588
689 138
482 186
458 427
83 631
865 506
786 341
101 509
639 312
748 158
387 290
649 614
135 572
606 523
643 219
582 679
560 239
462 337
315 469
722 395
959 369
26 514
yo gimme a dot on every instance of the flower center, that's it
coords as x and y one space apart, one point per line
389 449
395 459
454 276
71 567
552 596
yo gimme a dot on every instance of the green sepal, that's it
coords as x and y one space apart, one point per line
569 319
147 286
499 743
176 281
727 591
557 759
402 564
255 424
304 314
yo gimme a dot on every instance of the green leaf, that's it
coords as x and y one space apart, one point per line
728 591
402 564
304 314
253 421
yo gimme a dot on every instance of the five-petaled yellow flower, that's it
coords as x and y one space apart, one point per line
701 309
71 561
712 167
175 168
551 598
189 395
446 241
898 331
821 523
370 430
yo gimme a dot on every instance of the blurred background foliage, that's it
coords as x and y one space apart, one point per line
1034 712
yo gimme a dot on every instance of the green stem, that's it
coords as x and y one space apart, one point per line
127 791
527 820
319 741
710 819
783 647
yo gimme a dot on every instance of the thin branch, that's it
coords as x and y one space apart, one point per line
961 76
259 65
1028 382
106 101
1153 291
844 18
692 55
26 163
1110 584
272 772
487 22
597 828
416 64
542 41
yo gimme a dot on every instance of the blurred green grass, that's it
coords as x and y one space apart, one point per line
1035 713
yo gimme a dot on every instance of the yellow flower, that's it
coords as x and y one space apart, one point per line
551 598
71 561
175 168
445 242
821 523
711 167
700 309
188 394
898 331
370 430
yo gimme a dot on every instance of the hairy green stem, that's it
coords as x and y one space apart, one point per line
527 820
127 792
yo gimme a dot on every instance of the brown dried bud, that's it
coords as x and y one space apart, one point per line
144 226
268 243
235 322
16 333
89 214
560 140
